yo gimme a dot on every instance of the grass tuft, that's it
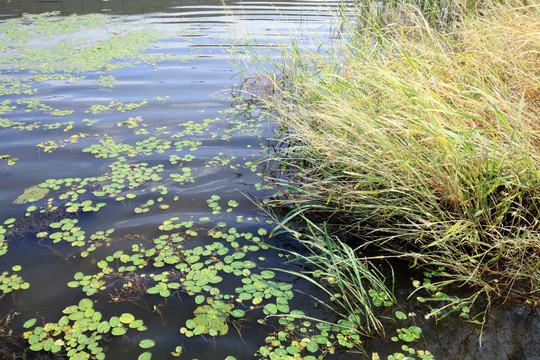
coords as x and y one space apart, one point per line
424 139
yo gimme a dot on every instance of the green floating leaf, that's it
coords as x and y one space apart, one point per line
115 321
237 313
85 304
118 331
267 274
400 315
127 318
210 319
146 343
271 309
145 356
136 324
29 323
312 346
31 194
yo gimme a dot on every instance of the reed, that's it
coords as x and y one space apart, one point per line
420 138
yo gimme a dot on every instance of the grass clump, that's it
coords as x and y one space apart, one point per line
425 141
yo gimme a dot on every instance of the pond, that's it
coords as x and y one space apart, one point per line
129 183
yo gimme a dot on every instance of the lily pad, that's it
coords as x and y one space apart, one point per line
211 319
146 343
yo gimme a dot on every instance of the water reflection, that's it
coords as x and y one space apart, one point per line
181 10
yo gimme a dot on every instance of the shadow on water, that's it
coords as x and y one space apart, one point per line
180 146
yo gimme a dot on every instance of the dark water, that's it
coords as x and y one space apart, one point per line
194 82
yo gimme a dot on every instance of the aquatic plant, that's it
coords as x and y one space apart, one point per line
80 332
424 141
3 242
220 262
31 194
9 159
12 282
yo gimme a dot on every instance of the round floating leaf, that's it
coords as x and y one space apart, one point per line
76 316
271 309
153 290
135 324
85 304
104 327
312 346
267 274
115 321
73 284
117 331
238 313
145 356
29 323
400 315
127 318
37 346
146 343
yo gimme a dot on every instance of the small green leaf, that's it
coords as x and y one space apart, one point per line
85 304
401 315
312 346
237 313
145 356
271 309
115 321
267 274
127 318
117 331
29 323
146 343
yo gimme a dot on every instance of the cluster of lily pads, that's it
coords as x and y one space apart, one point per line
220 265
80 332
12 282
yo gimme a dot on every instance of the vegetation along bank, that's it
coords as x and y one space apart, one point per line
415 133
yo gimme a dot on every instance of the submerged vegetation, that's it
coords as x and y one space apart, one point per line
416 135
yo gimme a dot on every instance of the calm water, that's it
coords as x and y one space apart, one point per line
174 109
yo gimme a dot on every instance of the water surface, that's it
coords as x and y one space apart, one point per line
170 121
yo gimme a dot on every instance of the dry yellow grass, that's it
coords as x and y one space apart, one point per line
425 141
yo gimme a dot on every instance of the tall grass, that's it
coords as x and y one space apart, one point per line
329 261
422 139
